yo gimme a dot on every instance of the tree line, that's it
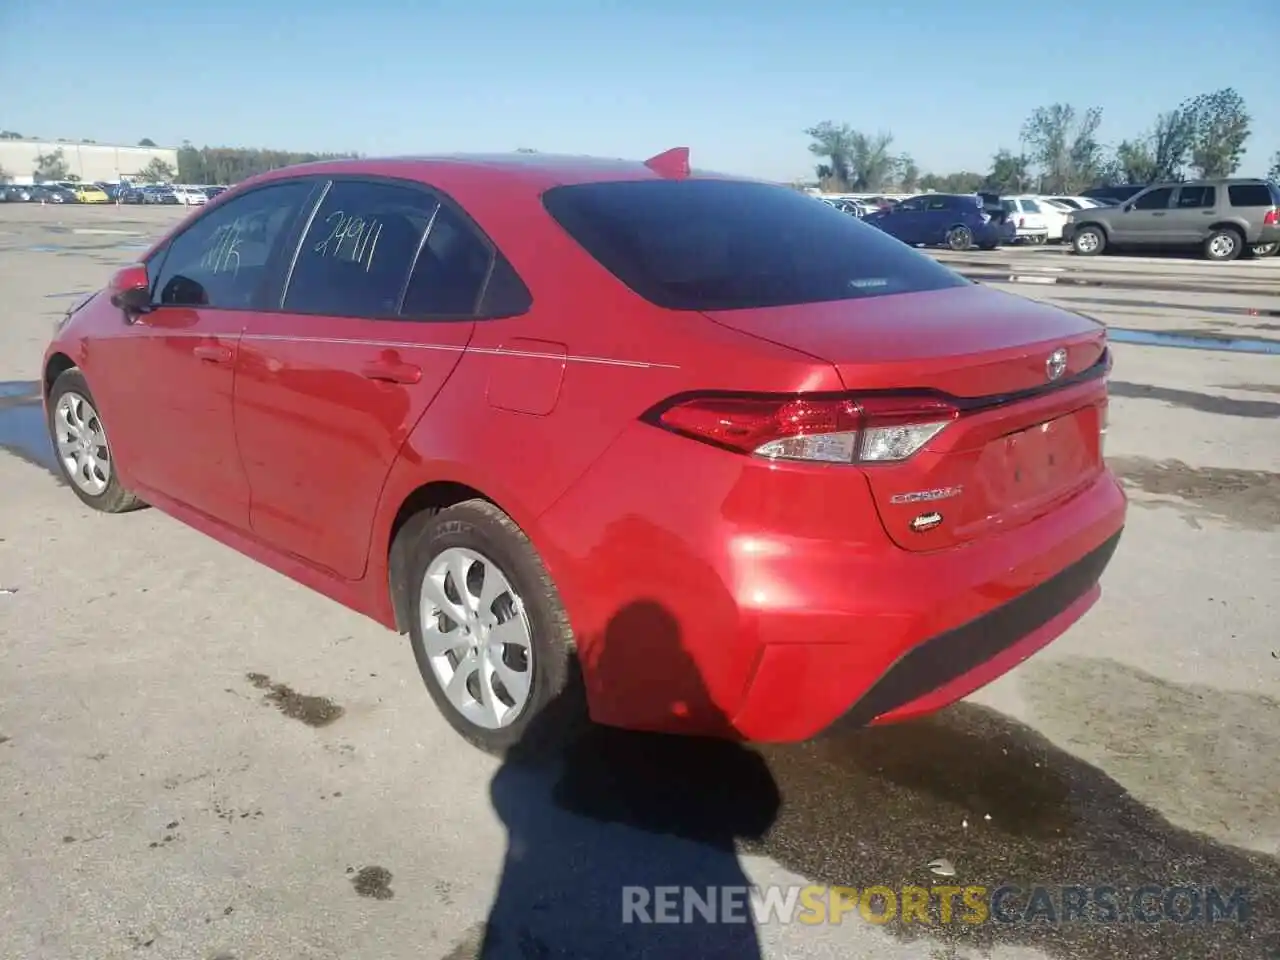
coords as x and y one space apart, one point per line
1059 152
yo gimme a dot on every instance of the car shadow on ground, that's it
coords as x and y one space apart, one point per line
857 809
22 428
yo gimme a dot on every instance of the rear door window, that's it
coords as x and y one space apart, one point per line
1250 195
1193 198
725 244
356 256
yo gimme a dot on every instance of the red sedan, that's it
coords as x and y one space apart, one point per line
706 450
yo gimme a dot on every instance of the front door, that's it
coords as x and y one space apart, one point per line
176 364
329 388
1144 220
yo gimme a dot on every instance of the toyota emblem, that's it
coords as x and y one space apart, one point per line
1056 365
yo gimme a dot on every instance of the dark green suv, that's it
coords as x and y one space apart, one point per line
1223 218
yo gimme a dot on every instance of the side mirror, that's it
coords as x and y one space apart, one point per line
131 290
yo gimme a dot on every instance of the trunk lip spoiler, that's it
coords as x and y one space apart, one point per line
1098 370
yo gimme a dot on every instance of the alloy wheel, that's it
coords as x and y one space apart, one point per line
477 637
82 444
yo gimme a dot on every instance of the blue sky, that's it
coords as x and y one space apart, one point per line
737 82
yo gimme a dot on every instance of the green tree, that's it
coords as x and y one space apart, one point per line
962 181
1221 126
226 165
1134 163
51 166
1274 172
9 135
1009 173
146 142
908 174
1170 144
1064 144
157 171
834 143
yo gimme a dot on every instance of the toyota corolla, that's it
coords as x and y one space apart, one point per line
719 458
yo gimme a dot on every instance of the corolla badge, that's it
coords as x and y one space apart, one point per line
1056 365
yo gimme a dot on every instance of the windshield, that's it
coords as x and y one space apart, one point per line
726 244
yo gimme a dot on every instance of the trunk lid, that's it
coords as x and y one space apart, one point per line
1021 444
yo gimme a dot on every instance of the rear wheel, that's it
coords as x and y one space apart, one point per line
82 447
489 633
1265 249
1089 241
960 238
1225 243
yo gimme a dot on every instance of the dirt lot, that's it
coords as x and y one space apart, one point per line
200 759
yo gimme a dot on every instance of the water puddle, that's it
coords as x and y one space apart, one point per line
1154 305
22 427
1114 282
1186 341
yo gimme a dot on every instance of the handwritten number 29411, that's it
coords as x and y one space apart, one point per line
351 238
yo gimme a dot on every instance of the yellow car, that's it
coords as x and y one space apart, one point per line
88 193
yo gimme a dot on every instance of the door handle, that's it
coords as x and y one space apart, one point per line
391 371
213 353
1158 213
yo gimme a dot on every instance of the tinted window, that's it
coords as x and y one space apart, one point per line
725 245
938 203
910 206
1250 195
1196 197
222 259
356 256
1031 206
451 270
1155 200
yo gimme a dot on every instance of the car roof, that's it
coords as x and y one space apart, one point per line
537 171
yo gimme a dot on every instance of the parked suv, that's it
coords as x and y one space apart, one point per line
1222 217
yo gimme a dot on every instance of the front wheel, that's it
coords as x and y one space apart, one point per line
488 630
82 447
1089 242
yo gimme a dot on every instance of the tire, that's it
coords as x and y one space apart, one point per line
554 705
960 238
71 411
1089 241
1223 245
988 246
1261 250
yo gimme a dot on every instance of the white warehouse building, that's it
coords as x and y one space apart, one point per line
89 161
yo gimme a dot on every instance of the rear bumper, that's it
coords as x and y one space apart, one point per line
1268 235
766 603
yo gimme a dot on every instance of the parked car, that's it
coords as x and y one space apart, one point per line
90 193
805 474
1115 194
160 194
1224 218
958 221
212 192
1031 223
1080 203
47 193
191 196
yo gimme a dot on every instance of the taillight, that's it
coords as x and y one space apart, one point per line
870 429
1022 221
1271 219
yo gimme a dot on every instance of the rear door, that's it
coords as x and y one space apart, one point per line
1194 209
938 217
378 308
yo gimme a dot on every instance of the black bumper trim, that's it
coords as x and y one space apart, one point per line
949 655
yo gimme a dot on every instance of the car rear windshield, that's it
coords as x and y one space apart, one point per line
705 244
